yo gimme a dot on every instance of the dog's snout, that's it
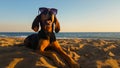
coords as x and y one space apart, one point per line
48 22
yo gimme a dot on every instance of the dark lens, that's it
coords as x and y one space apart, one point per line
43 9
53 10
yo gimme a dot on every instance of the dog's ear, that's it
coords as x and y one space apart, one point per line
35 24
57 25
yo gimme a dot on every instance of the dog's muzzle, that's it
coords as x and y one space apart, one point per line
47 17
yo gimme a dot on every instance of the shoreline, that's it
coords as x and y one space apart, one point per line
68 35
63 38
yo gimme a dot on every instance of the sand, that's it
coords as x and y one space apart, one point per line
89 53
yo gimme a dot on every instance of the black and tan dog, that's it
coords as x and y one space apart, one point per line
46 37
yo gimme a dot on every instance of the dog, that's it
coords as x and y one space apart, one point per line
46 37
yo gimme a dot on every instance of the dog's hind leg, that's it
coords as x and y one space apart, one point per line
44 44
66 57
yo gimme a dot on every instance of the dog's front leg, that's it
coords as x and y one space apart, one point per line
44 44
58 48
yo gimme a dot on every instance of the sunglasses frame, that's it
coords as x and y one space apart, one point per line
48 9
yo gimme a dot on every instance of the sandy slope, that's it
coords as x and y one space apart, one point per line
89 53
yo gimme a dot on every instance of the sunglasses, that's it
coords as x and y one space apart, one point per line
53 10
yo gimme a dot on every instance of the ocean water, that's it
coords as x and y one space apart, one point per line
66 35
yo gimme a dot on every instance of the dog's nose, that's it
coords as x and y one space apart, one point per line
48 21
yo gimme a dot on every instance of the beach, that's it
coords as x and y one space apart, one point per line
88 53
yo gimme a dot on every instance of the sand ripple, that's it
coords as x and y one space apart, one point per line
89 53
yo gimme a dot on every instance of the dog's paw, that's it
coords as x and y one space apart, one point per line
74 65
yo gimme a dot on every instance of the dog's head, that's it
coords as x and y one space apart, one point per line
47 18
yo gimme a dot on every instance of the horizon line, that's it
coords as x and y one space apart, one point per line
59 32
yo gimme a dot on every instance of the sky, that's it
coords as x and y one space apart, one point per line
73 15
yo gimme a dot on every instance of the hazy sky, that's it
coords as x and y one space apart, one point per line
73 15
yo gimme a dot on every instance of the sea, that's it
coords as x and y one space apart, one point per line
68 35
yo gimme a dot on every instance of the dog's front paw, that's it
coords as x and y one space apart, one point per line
74 65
